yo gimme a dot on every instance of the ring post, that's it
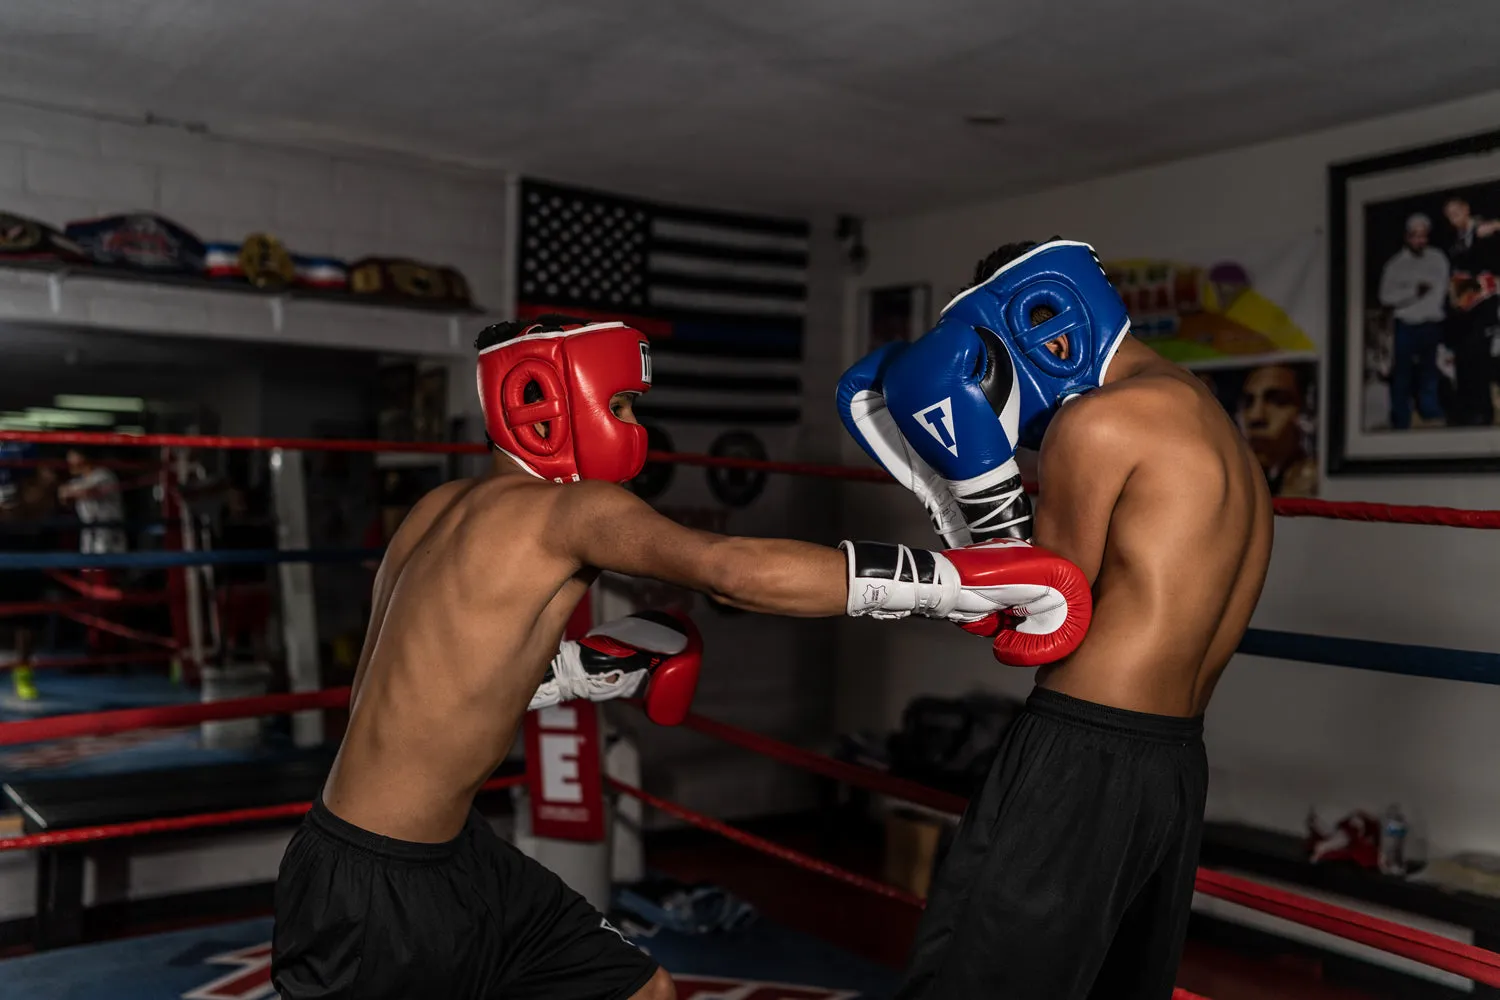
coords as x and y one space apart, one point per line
564 827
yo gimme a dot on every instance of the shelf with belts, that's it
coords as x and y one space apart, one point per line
96 296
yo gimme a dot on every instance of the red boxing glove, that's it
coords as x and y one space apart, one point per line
1048 607
652 655
664 648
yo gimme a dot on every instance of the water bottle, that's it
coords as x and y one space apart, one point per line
1393 842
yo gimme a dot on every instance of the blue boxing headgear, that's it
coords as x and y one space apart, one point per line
1066 278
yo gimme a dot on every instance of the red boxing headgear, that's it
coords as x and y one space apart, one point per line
572 370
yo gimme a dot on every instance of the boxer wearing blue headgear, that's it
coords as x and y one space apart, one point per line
1034 330
1071 875
1054 293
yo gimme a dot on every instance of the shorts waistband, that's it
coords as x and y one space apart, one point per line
382 846
1143 725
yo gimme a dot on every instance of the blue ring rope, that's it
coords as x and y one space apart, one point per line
1434 662
173 560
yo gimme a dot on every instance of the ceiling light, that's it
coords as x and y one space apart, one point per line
114 404
18 422
69 418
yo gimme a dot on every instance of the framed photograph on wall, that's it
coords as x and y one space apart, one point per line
896 312
1414 311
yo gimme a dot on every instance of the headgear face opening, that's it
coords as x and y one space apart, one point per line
1063 278
562 376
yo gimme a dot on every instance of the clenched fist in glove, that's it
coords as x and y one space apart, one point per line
651 654
1034 602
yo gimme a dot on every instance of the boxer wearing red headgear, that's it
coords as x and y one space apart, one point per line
394 886
546 392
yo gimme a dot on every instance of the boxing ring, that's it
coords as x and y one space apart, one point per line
1467 961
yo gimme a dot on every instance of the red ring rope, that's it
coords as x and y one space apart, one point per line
1291 907
808 760
1285 506
1420 946
90 588
775 850
1387 513
140 828
46 662
1443 953
63 607
160 716
123 631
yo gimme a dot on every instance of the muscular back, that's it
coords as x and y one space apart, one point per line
1148 486
468 608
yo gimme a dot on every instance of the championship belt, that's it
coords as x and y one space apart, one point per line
264 262
139 240
398 278
326 273
26 239
222 260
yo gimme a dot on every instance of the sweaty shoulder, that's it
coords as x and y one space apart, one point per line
1144 417
591 506
550 516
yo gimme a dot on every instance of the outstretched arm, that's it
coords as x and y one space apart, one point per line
610 528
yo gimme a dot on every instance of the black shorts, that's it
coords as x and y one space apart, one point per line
361 915
1071 874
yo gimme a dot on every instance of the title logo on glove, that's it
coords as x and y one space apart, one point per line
938 419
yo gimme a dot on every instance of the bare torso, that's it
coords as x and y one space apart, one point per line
468 609
1150 488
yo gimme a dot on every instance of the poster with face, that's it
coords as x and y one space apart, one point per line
1275 405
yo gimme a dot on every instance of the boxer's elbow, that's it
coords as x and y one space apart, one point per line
777 576
730 572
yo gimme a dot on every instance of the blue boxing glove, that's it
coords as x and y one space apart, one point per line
954 398
862 407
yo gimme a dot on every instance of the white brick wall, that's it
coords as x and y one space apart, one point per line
46 130
12 167
194 194
60 167
130 185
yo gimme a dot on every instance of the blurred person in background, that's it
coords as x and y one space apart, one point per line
1414 286
94 492
1472 312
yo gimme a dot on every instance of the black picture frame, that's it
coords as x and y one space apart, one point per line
1340 461
895 312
